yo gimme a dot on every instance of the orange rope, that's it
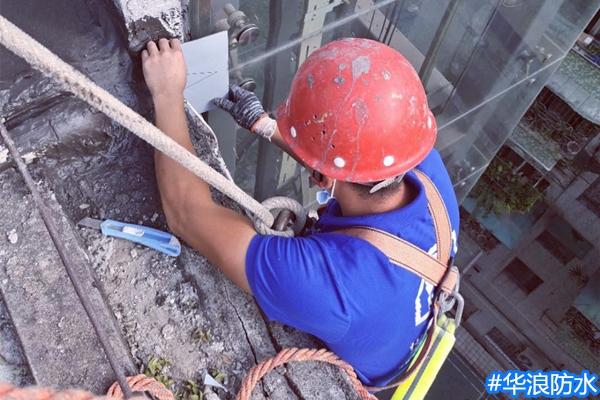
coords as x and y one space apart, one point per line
8 392
141 383
294 354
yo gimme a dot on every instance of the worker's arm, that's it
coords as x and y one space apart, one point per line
220 234
244 106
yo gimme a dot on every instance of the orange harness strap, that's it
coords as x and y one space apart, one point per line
410 257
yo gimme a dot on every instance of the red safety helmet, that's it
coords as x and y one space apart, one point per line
357 112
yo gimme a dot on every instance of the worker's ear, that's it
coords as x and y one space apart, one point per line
326 182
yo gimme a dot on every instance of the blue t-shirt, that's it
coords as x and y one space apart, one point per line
343 290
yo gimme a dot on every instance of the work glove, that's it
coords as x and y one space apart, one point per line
246 110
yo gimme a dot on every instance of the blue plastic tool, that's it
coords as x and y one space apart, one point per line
150 237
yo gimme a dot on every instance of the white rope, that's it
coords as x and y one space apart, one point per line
74 81
288 204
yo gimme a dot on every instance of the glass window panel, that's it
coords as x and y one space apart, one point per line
555 247
542 185
492 61
529 172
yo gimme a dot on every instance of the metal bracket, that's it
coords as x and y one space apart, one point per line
321 11
314 21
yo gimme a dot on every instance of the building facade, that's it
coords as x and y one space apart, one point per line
532 279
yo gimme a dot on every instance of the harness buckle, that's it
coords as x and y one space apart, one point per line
447 301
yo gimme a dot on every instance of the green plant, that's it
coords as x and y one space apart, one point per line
547 133
200 335
504 190
593 49
191 391
218 375
562 130
155 368
579 275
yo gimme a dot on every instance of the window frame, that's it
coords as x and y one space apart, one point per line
521 275
590 198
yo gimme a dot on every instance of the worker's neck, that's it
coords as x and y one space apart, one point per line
353 205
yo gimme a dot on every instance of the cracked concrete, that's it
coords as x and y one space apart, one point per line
48 317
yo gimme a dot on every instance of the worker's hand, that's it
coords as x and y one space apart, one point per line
247 111
164 69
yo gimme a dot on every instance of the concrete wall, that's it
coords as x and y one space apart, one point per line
150 20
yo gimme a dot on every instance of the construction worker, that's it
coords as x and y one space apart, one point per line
357 118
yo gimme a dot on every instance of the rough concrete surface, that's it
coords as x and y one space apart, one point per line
13 367
163 304
147 21
48 317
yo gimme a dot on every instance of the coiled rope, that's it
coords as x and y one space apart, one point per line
142 383
289 355
74 81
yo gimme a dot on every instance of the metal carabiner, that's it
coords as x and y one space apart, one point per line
283 219
447 302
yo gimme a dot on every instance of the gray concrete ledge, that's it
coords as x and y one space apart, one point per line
150 20
57 337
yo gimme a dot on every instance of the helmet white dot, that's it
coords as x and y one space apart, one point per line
339 162
388 161
293 132
429 123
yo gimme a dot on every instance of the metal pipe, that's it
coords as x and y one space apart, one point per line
391 22
472 262
396 21
194 19
229 9
67 261
438 39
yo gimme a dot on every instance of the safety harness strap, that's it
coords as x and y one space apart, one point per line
441 220
408 256
437 271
